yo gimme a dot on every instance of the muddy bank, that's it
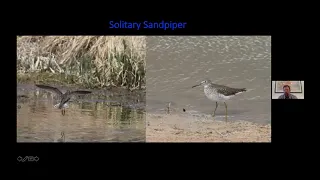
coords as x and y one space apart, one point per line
68 80
188 128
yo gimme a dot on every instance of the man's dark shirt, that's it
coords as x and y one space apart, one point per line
290 96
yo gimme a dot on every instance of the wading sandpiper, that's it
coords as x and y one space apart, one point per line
64 97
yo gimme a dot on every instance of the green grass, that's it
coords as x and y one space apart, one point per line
88 61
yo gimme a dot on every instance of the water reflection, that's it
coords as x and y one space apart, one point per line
90 119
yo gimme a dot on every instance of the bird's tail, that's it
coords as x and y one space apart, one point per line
242 90
57 105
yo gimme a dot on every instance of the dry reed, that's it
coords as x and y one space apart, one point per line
90 61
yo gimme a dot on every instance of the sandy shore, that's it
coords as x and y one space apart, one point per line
188 128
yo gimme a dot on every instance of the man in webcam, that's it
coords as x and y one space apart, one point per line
287 94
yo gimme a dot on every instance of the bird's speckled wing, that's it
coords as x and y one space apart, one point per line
227 91
49 88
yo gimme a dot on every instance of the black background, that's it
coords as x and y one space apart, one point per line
162 157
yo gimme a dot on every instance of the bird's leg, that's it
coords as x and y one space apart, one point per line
226 111
214 112
63 111
168 107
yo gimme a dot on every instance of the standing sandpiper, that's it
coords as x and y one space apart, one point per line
62 139
219 93
64 97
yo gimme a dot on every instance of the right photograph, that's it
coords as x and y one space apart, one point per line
208 89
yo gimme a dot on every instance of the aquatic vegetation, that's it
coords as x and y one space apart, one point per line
89 61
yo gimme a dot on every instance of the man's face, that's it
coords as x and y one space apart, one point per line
286 90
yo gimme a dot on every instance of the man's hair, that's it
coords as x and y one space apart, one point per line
286 86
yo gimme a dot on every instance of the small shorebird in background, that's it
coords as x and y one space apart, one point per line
64 97
62 139
219 93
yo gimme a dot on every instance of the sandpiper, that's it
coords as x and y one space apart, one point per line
64 97
62 139
219 93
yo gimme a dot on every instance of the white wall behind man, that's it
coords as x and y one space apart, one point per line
276 95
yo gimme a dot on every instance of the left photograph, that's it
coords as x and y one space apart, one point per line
81 88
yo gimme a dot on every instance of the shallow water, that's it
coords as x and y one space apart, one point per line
102 116
176 63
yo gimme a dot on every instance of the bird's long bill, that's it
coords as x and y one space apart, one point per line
196 85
